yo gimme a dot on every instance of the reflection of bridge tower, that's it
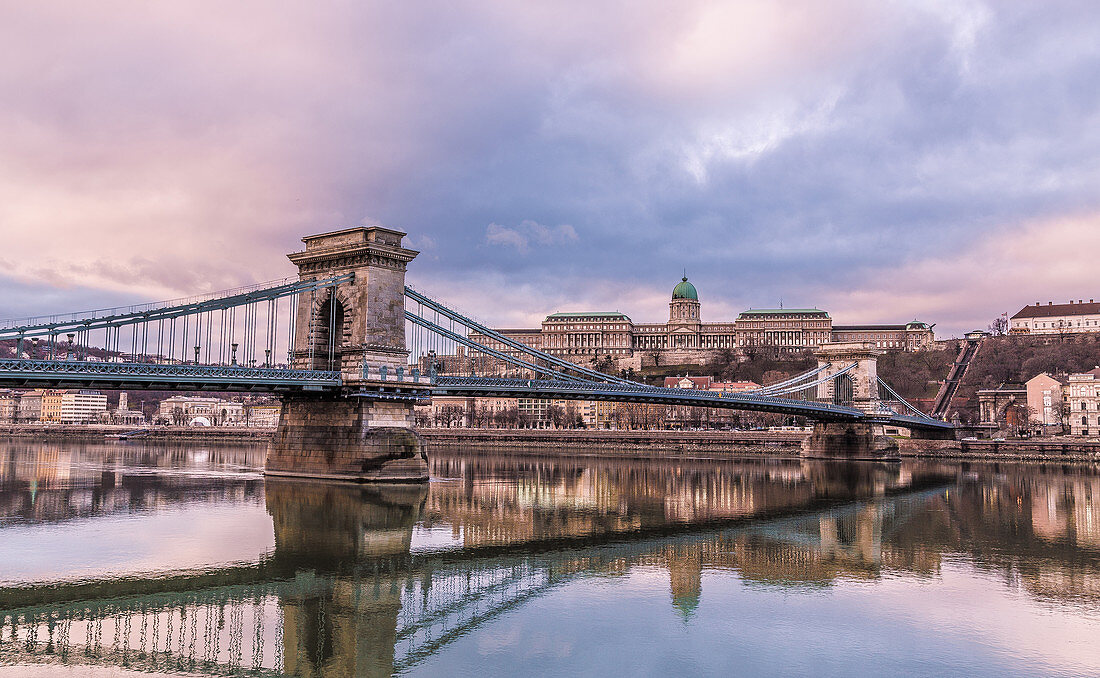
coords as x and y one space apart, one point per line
857 388
344 625
358 329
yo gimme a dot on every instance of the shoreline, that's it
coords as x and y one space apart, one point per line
571 442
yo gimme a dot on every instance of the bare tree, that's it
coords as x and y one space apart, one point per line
556 413
999 326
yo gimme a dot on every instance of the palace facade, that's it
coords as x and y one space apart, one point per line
612 337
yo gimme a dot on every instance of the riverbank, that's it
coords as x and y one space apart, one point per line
206 434
558 440
739 443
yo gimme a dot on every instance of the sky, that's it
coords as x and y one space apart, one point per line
884 159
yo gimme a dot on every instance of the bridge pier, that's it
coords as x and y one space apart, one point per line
347 439
357 328
849 440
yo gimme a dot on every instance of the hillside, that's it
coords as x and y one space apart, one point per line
1017 359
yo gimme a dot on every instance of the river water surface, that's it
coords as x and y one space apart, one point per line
144 559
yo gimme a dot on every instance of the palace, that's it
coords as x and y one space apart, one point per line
614 339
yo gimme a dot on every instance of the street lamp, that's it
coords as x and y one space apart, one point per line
234 349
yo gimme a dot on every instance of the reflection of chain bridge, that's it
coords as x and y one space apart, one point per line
384 614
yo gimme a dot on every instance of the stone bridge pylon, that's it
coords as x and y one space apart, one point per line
858 388
365 432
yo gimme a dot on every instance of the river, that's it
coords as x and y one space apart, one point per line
157 559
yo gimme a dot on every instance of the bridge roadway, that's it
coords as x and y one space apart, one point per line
82 374
570 390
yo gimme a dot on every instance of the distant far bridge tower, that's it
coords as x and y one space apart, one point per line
858 388
358 329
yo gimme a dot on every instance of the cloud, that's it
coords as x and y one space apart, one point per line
779 149
1041 260
520 237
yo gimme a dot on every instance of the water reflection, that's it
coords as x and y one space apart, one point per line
372 581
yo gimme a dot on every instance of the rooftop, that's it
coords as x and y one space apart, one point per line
1051 309
865 328
600 314
685 290
785 311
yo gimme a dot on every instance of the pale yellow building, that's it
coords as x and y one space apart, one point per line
51 405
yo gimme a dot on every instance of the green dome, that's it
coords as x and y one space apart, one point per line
685 290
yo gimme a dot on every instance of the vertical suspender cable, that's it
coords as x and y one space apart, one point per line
221 339
332 327
183 345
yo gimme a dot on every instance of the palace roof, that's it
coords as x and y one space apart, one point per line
685 290
594 314
777 311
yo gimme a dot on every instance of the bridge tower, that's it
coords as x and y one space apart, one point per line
364 433
864 439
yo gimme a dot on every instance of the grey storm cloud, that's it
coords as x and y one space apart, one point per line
851 155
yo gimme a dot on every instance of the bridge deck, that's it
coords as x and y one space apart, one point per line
81 374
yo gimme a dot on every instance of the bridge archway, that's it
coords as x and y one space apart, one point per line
844 389
332 318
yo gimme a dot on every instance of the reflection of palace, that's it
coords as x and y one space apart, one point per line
354 588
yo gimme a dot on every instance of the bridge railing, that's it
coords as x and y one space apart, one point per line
145 370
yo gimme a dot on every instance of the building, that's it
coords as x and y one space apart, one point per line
611 341
1057 319
709 384
1004 406
51 405
1083 403
30 406
1045 402
455 411
200 411
912 336
784 329
123 414
82 407
9 406
264 415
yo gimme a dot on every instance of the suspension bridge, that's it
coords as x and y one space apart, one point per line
350 349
